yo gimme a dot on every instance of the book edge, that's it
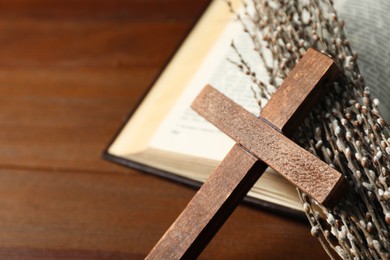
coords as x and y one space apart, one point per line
106 155
250 201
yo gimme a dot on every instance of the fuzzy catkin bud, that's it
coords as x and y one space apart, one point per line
377 245
341 252
348 136
380 192
330 219
387 218
315 231
369 227
359 174
386 195
306 207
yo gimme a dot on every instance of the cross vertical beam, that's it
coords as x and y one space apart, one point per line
238 172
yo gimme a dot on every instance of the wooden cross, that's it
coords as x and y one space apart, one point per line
260 143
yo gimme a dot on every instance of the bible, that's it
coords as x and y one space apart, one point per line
163 136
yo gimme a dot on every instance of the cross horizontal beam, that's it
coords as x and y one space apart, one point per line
264 142
238 172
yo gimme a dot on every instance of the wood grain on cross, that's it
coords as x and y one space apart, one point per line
260 143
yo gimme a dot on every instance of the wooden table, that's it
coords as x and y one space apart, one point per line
70 71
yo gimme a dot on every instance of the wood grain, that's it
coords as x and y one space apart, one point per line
266 143
207 210
228 184
70 71
300 91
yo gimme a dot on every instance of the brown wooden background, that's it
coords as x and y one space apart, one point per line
70 71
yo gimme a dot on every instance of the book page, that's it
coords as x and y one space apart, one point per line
367 25
135 136
184 131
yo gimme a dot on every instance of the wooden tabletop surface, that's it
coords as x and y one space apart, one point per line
70 72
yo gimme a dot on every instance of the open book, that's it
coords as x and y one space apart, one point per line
165 137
